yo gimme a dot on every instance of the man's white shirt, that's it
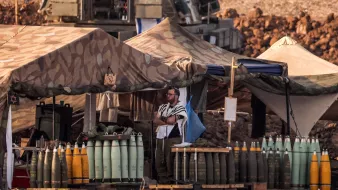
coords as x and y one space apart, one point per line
166 110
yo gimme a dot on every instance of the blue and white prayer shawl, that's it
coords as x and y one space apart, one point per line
143 24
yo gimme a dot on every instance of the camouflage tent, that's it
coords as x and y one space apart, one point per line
305 70
39 62
81 56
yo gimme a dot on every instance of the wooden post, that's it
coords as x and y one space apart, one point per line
16 12
231 91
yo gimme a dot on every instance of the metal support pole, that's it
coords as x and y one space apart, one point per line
16 12
209 7
287 98
152 151
53 117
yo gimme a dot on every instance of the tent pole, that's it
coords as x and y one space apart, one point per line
53 117
287 98
152 151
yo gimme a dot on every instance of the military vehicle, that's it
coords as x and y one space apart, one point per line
121 18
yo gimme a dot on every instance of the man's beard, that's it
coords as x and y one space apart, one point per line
171 101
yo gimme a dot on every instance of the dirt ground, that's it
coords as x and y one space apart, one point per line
318 9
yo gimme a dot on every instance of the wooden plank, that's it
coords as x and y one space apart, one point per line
222 186
219 186
53 189
190 186
164 186
192 149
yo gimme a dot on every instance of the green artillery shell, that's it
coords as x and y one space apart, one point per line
303 161
201 168
64 169
271 170
132 158
260 167
295 164
210 168
56 170
271 144
47 169
279 146
140 157
286 172
91 160
223 165
308 163
252 164
236 157
40 169
243 159
115 161
124 161
277 169
106 161
33 170
287 146
217 169
318 150
264 145
192 174
98 161
265 163
231 167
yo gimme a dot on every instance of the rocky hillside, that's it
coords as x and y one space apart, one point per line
318 9
27 13
260 31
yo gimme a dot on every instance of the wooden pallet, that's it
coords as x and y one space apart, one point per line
53 189
190 186
198 149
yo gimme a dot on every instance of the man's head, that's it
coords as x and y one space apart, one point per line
172 95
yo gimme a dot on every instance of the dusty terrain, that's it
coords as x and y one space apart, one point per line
318 9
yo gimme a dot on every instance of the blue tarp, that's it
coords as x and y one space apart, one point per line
253 66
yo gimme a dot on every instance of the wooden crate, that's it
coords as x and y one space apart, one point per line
65 8
148 11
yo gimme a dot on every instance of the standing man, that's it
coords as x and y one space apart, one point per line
170 119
